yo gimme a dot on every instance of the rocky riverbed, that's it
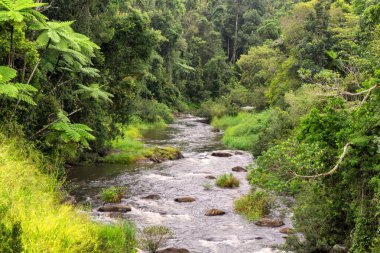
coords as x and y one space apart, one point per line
182 195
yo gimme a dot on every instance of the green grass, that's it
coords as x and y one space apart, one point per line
243 131
112 194
129 148
253 205
227 181
31 198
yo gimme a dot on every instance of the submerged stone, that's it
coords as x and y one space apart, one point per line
152 197
272 223
215 212
115 208
184 199
221 154
173 250
239 169
210 177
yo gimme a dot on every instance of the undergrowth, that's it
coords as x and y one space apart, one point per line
30 199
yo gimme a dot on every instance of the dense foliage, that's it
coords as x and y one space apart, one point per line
74 74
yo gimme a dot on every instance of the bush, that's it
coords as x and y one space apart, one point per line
227 181
152 111
254 205
113 194
155 237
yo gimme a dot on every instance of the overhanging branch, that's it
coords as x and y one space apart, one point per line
344 153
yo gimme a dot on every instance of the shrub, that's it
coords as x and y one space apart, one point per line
152 111
254 205
227 181
155 237
113 194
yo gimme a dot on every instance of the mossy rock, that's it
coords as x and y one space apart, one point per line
158 154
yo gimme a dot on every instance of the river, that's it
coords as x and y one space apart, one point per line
230 233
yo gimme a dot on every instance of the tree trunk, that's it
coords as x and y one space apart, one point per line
10 57
236 33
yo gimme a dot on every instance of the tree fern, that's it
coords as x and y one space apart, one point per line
94 91
71 132
19 91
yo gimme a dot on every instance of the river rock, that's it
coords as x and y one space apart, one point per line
239 169
285 230
115 208
210 177
267 222
152 197
173 250
215 212
215 130
239 152
221 154
184 199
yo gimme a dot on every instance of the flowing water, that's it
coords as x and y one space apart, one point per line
230 233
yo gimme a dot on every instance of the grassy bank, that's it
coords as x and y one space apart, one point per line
32 217
245 131
129 147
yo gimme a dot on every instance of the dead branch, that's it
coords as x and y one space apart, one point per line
344 153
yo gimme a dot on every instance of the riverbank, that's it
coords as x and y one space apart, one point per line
33 217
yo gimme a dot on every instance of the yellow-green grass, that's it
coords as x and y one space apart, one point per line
31 198
253 205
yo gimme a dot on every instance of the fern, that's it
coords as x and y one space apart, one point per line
19 91
94 91
71 132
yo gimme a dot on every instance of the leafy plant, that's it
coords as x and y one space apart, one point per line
227 181
253 205
19 91
154 237
94 91
113 194
72 132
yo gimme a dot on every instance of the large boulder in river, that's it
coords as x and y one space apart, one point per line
115 208
173 250
268 222
215 212
221 154
239 169
184 199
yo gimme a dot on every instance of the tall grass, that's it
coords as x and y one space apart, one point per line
31 198
253 205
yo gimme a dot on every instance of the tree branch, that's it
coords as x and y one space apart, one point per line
344 153
55 121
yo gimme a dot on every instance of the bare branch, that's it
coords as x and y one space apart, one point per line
344 153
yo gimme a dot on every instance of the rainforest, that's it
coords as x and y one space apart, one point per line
206 126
